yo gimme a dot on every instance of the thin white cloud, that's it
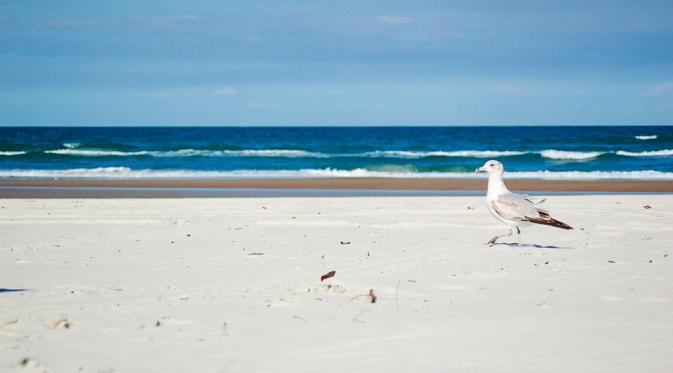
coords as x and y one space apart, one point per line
663 88
168 19
257 105
90 22
226 90
394 20
59 23
504 88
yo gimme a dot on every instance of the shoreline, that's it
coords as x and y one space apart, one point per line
72 188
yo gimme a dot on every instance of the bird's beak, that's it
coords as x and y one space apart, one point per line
479 169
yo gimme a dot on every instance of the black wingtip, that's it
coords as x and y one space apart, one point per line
559 224
562 225
550 222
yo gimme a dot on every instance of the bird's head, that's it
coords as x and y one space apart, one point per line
491 167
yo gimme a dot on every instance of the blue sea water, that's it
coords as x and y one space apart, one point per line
618 152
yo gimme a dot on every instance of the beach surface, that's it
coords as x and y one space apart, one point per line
234 285
348 186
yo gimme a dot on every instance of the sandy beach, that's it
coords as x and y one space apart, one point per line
234 285
354 186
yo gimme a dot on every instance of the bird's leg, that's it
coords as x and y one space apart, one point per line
492 241
518 236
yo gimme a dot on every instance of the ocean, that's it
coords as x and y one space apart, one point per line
579 153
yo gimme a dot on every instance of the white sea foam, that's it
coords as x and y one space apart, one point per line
439 153
99 172
291 153
273 153
288 153
646 137
71 149
127 173
592 175
71 145
10 153
653 153
569 155
96 153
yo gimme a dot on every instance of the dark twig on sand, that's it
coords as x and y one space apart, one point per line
327 275
372 295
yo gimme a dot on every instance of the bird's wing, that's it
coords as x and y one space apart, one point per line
515 207
535 199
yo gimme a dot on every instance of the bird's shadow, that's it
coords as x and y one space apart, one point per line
531 246
5 290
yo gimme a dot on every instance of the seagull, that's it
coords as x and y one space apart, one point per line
515 210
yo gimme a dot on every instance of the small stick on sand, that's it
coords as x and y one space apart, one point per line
371 295
327 275
359 314
397 289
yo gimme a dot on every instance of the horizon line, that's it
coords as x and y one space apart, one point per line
314 125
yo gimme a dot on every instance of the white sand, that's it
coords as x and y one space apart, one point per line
112 269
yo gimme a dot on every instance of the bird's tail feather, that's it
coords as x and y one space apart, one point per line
550 221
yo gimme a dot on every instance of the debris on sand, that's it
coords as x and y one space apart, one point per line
345 242
327 275
647 207
10 322
371 295
63 323
27 362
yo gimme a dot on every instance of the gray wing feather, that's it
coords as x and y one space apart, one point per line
535 199
515 207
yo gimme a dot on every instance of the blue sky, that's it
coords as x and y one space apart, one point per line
335 62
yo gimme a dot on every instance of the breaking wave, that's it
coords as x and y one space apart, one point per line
564 154
287 153
554 154
96 153
128 173
457 153
10 153
188 153
653 153
646 137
